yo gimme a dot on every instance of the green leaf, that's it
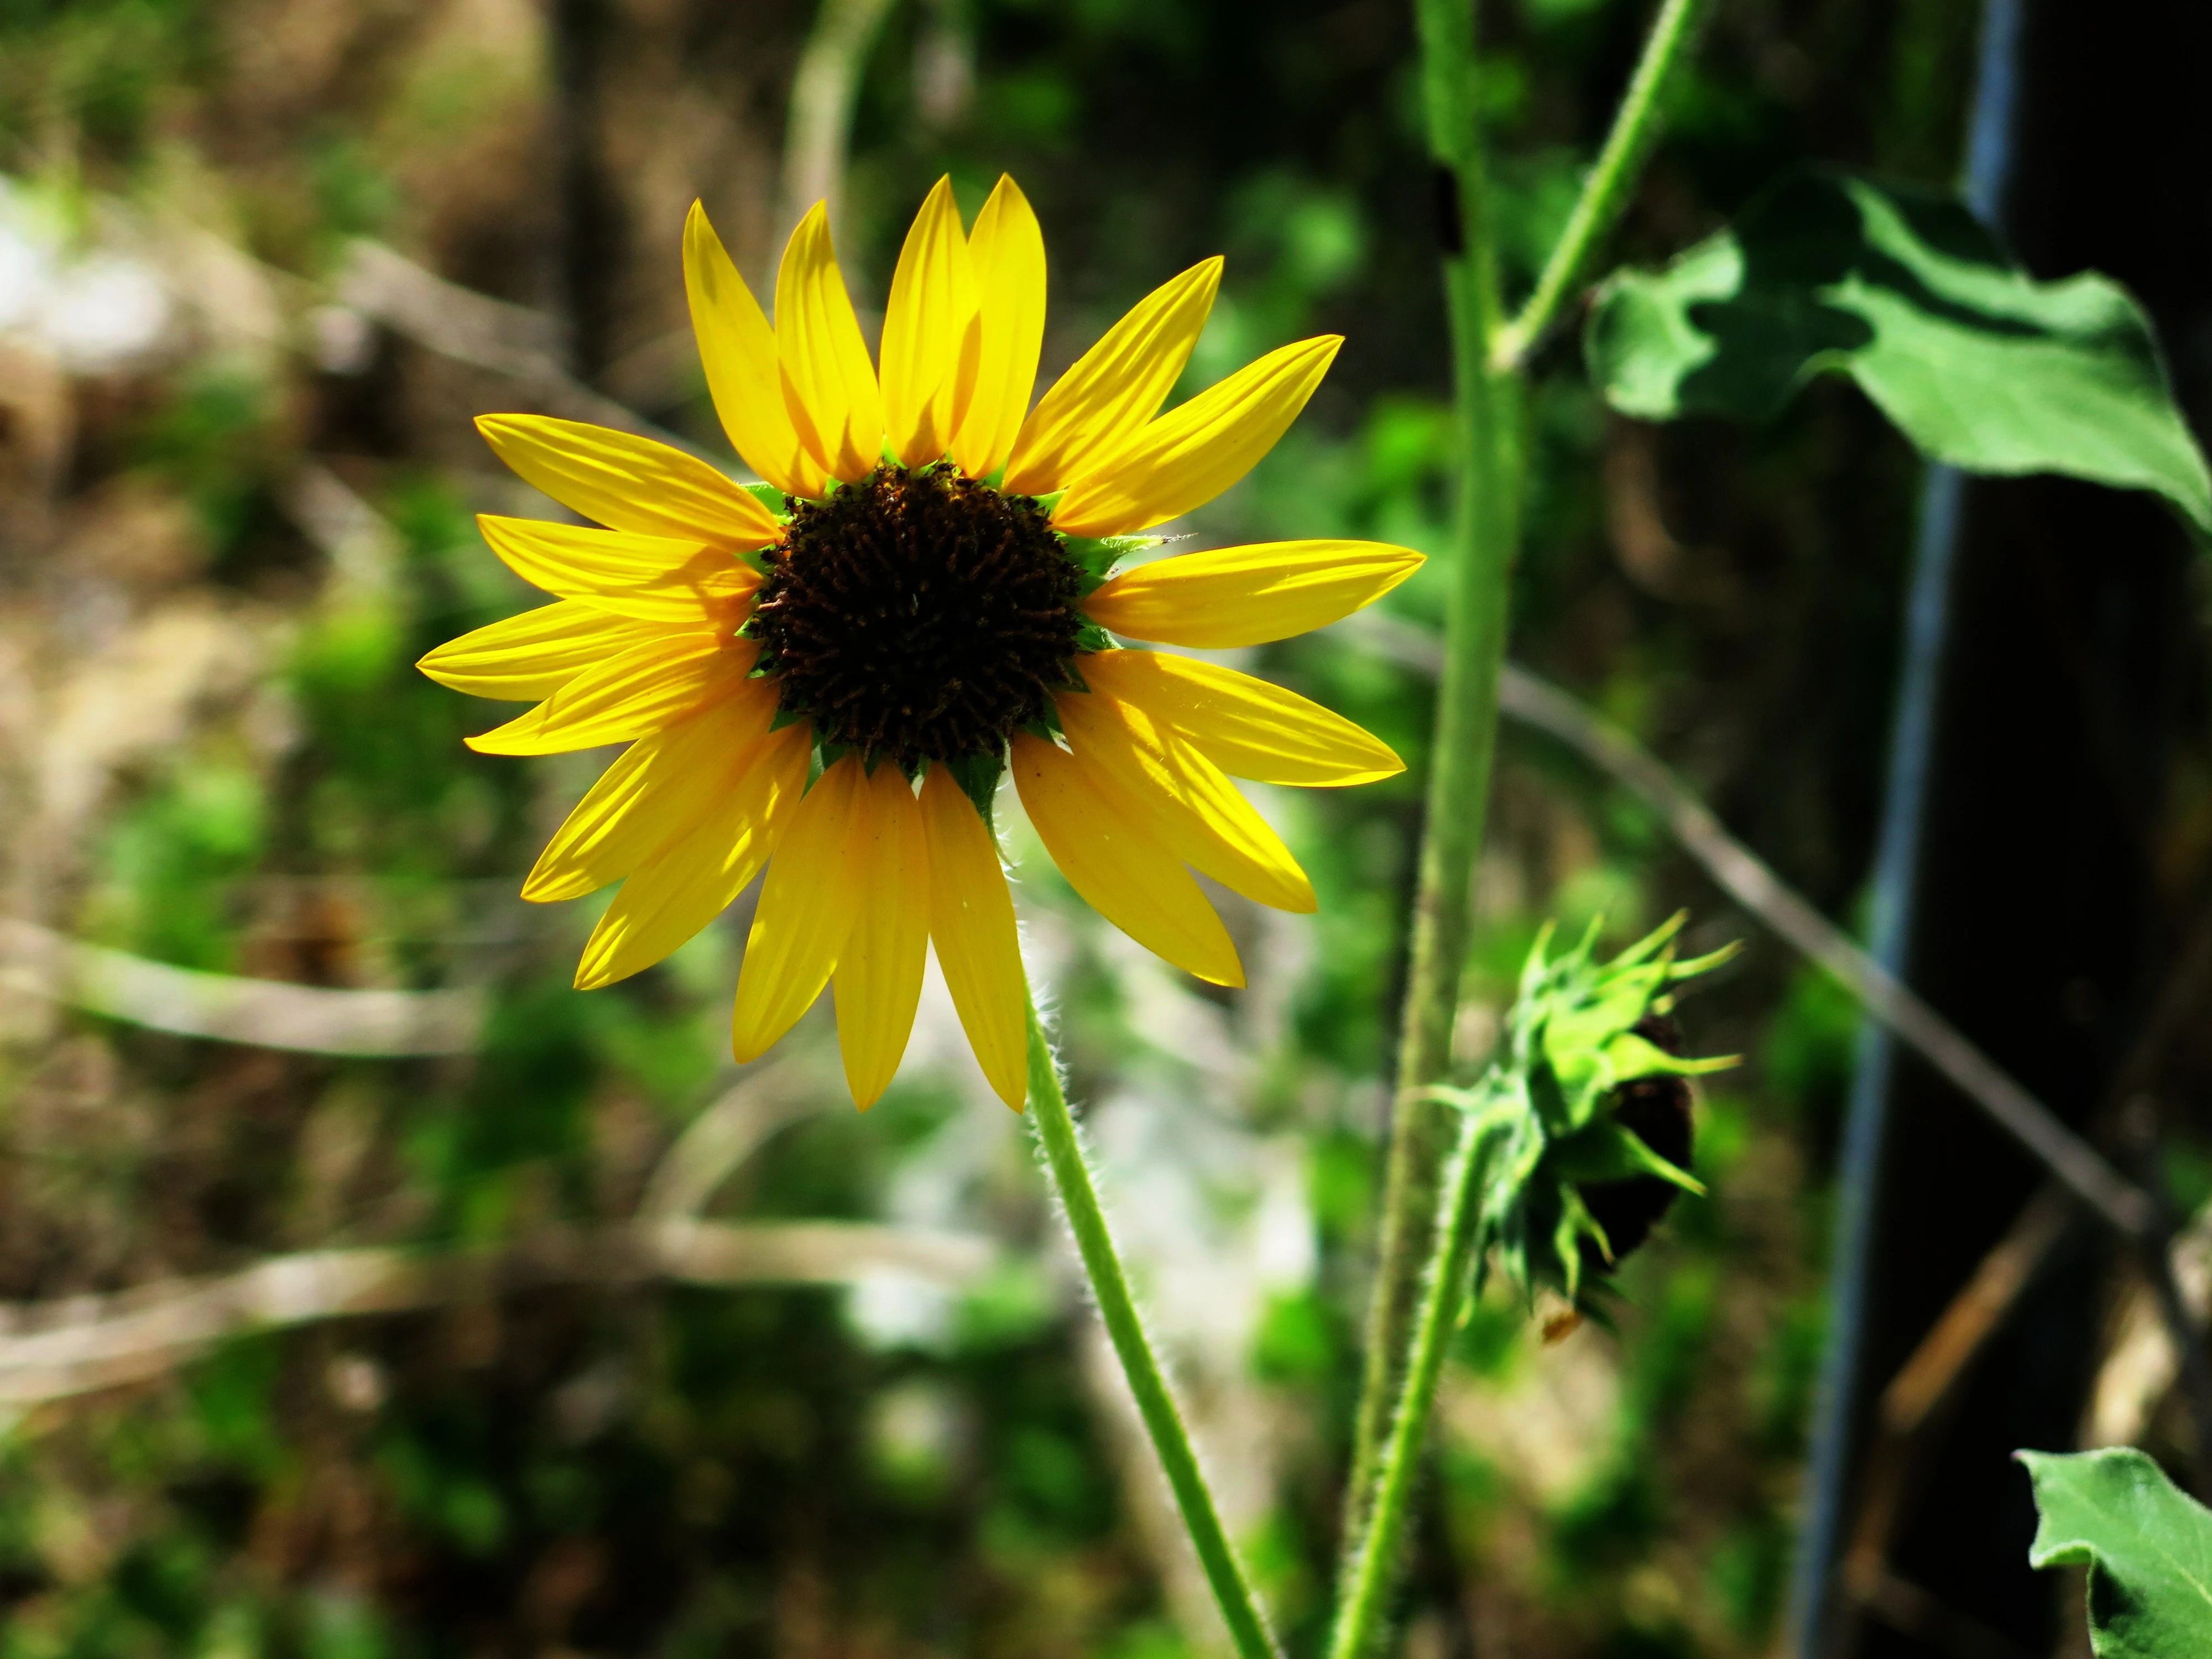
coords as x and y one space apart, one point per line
1978 363
978 777
1095 557
2148 1549
1606 1151
1629 1056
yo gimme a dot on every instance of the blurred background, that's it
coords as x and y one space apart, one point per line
417 1305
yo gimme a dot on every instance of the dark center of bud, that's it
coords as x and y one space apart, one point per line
1656 1111
918 615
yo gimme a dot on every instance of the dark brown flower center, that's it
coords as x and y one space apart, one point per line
918 615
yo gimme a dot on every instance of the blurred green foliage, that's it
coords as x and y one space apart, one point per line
686 1471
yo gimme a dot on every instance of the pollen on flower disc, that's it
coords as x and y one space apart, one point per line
918 615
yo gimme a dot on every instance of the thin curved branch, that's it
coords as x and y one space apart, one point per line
727 1133
824 90
53 1350
1745 878
472 328
268 1013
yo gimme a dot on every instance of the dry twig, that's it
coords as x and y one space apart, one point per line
51 1350
268 1013
727 1133
469 328
822 93
1746 878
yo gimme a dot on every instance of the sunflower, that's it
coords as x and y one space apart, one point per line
828 674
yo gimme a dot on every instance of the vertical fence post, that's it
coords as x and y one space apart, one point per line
1927 629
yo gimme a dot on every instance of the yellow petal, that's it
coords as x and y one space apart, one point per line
878 975
971 922
627 483
1198 449
648 688
926 322
737 349
1116 386
532 655
650 577
1182 800
659 789
692 879
1007 250
1123 873
1246 727
829 385
807 910
1236 596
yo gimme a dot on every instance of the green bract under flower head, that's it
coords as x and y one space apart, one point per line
1547 1115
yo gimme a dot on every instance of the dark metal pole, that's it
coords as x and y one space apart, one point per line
1927 627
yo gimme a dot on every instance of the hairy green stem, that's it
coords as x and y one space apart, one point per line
1414 1247
1605 189
1481 559
1109 1289
1364 1588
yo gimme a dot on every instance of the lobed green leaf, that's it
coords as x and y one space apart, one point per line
1978 363
2147 1546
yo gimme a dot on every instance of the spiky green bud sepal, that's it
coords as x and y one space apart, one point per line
1542 1121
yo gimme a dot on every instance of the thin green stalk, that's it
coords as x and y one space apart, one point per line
1487 361
1481 559
1364 1589
1606 190
1109 1288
